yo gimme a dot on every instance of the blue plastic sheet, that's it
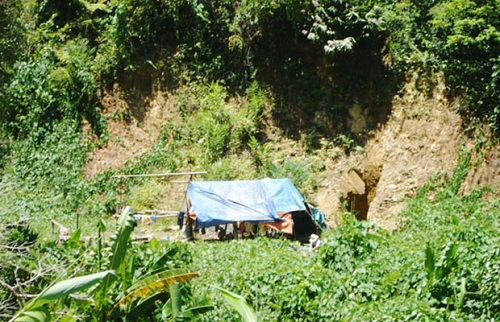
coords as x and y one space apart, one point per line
284 195
222 202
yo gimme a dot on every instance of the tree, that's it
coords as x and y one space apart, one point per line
467 40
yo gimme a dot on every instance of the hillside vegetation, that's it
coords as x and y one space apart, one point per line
245 90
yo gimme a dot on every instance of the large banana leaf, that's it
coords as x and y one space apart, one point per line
153 284
119 243
33 310
240 305
67 287
157 275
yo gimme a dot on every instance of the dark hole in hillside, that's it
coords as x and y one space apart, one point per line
361 192
358 203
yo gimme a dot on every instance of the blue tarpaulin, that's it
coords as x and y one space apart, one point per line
222 202
284 195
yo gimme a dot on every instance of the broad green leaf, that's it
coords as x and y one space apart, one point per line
166 311
161 262
38 314
450 260
125 228
120 242
240 305
429 262
153 284
69 286
175 300
74 239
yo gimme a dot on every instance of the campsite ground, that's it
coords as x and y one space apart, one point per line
421 138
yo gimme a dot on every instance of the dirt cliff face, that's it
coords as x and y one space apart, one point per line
422 136
133 124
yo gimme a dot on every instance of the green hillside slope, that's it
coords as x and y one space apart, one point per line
243 90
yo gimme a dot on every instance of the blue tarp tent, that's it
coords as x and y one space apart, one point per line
284 195
257 201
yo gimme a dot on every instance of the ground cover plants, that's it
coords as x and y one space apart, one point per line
443 264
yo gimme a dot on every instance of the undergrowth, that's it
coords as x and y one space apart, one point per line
219 135
442 265
231 63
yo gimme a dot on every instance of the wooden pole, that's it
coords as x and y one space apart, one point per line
189 221
122 176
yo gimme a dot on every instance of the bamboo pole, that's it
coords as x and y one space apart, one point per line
171 174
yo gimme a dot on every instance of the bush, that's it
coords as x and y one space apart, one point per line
458 37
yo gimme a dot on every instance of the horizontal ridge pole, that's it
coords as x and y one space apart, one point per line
122 176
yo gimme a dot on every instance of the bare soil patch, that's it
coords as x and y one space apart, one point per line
134 124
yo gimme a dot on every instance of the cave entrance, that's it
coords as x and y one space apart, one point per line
359 192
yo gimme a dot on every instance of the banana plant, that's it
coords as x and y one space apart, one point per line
439 272
35 311
144 288
119 244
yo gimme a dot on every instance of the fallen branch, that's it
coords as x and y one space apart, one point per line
63 231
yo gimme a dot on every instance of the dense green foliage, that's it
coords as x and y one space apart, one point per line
460 38
468 44
234 66
123 274
443 265
301 63
77 48
11 38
